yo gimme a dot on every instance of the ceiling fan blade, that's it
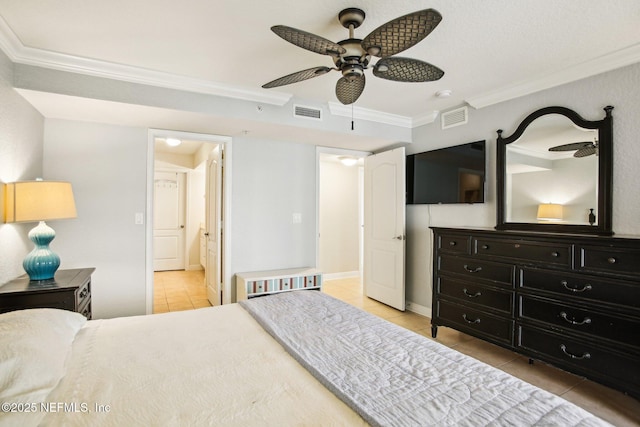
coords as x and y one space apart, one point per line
406 70
586 151
573 146
349 90
401 33
308 41
297 77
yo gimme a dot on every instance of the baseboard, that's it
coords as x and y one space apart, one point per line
418 309
194 267
342 275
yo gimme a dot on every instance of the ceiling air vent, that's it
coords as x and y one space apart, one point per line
453 118
307 112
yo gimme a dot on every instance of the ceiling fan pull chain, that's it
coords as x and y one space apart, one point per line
351 116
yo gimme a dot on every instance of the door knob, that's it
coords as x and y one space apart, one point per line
399 237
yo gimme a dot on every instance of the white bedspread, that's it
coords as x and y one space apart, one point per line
213 366
394 377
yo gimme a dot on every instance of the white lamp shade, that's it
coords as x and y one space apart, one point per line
550 212
30 201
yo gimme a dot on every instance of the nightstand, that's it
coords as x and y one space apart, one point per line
68 290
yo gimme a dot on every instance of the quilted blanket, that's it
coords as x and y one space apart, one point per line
394 377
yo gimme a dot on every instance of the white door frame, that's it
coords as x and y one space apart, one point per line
339 152
226 141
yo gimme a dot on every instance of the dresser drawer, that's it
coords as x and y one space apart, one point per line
471 293
591 288
608 366
527 251
569 317
474 269
604 259
476 321
454 243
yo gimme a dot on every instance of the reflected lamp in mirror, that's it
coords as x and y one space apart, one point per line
550 212
39 201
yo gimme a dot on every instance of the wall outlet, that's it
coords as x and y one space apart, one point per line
139 218
297 218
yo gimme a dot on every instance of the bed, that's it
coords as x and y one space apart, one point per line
293 358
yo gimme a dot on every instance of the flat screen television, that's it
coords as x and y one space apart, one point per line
448 175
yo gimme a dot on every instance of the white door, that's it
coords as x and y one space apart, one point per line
384 227
168 221
213 232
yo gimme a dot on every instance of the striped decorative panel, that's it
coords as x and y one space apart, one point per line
267 282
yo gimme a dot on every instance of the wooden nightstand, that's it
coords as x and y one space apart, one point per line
68 290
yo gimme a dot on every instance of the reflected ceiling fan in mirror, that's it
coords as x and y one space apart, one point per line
352 56
583 149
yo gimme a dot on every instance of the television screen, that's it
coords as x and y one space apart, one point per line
448 175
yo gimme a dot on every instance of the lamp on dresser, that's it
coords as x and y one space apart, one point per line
39 201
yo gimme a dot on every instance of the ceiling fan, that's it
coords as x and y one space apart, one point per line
583 149
352 56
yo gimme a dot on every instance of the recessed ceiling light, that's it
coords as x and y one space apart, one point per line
173 142
348 160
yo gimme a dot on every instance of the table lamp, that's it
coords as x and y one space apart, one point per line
550 212
39 201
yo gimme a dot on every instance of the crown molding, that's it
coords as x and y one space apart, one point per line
378 116
18 53
604 63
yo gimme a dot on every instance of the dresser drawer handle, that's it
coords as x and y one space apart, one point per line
586 320
612 260
485 246
586 287
464 316
452 243
84 293
555 254
585 355
466 292
472 269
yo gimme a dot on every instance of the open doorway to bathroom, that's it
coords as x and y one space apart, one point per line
186 237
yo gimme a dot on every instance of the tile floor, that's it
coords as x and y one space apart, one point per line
185 290
179 290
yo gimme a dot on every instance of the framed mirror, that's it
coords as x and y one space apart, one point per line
554 174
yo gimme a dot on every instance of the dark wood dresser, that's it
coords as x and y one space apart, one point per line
68 290
571 301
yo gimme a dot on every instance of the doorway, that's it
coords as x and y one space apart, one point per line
339 238
189 158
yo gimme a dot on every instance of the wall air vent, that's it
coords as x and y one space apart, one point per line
307 112
456 117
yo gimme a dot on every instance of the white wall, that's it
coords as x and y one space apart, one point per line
272 180
339 218
588 97
21 129
107 167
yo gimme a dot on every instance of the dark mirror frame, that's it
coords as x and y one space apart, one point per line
605 174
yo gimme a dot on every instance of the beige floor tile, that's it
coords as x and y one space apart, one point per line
613 406
542 375
486 352
411 321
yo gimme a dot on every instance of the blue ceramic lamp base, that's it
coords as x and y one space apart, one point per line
41 263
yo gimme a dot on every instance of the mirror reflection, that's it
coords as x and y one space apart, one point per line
552 174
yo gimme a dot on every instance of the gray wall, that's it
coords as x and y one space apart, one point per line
588 97
20 159
272 180
107 166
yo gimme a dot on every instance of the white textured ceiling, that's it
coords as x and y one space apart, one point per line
490 50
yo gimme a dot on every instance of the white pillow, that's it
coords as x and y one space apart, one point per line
34 345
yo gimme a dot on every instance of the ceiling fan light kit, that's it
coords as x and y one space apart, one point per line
352 56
